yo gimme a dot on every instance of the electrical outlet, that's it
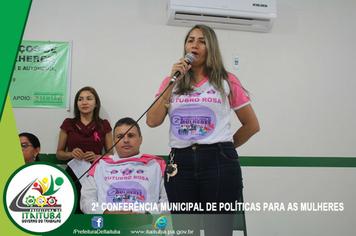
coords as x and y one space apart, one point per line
236 62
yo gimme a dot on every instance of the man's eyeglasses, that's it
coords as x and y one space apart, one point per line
25 145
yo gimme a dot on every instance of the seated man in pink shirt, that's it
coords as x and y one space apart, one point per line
128 182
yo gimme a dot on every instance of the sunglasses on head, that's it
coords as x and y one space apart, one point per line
25 144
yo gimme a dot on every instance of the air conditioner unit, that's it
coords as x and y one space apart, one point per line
247 15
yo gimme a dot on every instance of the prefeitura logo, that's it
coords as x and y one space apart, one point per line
39 197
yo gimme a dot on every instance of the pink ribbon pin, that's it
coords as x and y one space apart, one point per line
96 136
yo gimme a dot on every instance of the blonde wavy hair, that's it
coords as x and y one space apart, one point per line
214 63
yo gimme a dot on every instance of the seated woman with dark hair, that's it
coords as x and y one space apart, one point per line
83 138
31 147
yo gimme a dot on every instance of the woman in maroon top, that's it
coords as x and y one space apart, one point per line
85 135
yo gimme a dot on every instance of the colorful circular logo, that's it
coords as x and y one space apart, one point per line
39 197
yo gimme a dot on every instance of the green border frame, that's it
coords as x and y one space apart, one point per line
14 16
298 161
264 161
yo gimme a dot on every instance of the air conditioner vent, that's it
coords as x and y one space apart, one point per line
246 15
218 19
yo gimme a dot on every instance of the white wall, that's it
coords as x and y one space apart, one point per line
300 75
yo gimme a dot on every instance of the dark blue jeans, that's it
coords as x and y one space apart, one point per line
207 174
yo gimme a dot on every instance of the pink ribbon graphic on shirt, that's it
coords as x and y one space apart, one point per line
96 136
127 171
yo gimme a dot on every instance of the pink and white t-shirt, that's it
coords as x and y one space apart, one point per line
203 117
125 182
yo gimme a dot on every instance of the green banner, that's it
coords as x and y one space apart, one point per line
41 75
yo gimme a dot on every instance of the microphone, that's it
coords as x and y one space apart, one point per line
190 56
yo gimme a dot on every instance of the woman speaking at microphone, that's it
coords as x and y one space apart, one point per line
203 165
84 136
